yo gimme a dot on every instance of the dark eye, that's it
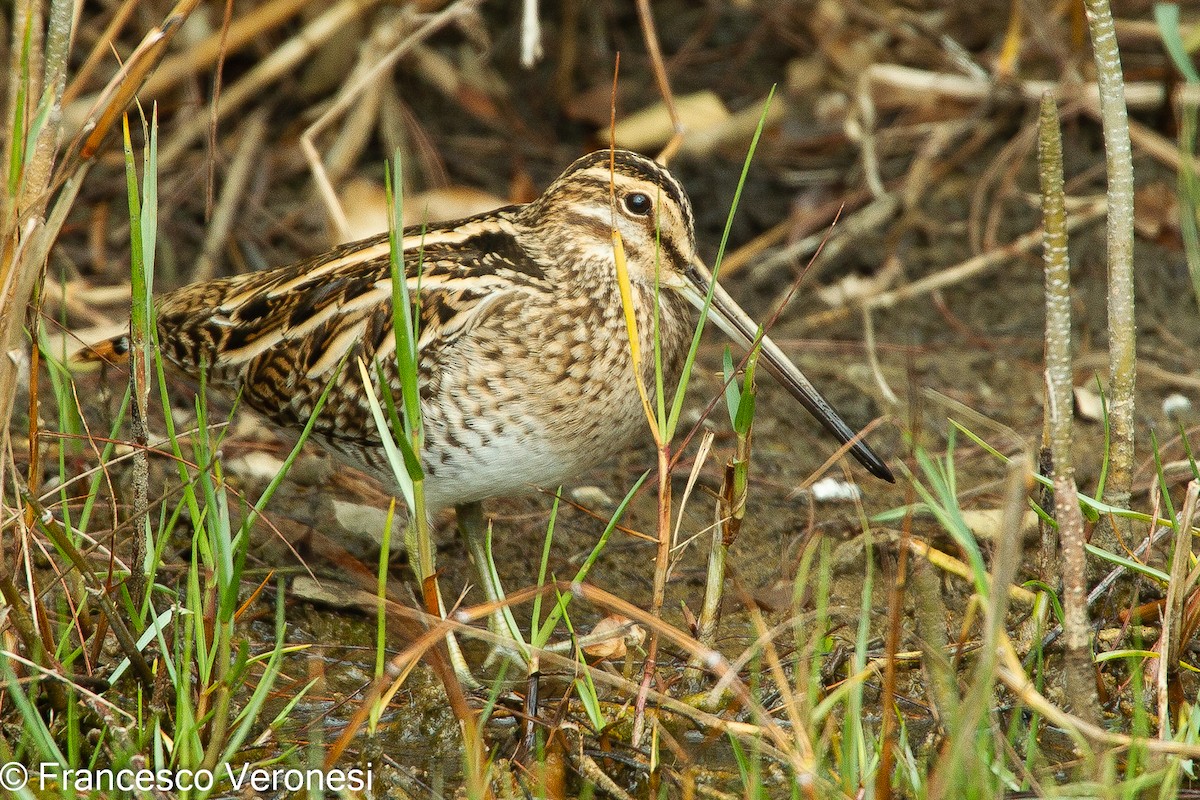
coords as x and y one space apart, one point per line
638 203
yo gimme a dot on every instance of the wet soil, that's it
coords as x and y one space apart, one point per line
978 342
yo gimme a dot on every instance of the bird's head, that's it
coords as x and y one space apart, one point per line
631 194
619 190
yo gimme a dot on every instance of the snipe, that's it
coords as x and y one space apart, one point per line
523 349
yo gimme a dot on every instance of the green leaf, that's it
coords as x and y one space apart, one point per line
745 412
733 397
1167 17
677 400
391 444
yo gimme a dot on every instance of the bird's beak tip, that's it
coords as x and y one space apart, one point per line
695 285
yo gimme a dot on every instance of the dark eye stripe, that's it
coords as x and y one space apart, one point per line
601 230
663 255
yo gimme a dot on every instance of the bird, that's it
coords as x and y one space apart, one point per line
522 345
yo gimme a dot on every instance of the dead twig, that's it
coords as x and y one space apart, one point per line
971 268
229 204
352 93
282 62
650 35
908 86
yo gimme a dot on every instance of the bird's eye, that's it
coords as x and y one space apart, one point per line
638 203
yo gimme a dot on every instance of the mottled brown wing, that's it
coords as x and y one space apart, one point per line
279 338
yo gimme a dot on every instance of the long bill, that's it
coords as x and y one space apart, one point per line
736 324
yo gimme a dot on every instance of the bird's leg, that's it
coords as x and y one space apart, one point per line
474 531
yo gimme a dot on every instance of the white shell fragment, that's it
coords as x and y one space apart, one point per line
835 490
1087 404
1176 405
592 497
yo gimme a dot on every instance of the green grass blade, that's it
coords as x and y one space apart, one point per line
680 391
